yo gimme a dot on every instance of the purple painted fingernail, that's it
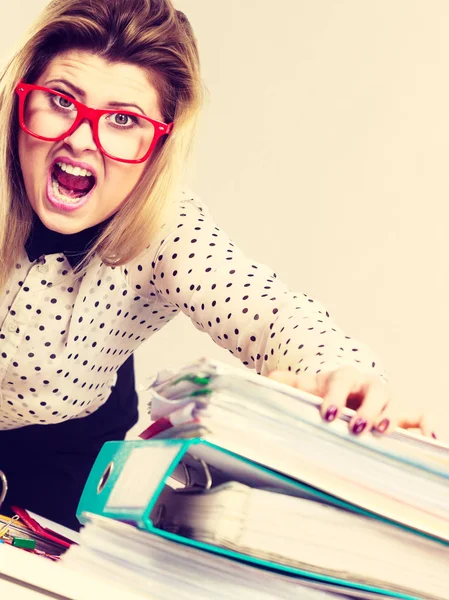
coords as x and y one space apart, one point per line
331 413
359 426
433 435
383 425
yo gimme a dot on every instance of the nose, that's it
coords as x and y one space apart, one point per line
82 138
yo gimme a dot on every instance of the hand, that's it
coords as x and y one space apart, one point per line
367 394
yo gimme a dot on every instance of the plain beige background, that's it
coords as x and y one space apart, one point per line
323 151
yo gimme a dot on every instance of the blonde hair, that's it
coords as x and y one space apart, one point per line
148 33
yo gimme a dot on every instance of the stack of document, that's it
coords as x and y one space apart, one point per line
244 492
401 477
142 562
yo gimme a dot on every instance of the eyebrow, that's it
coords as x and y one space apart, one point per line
80 92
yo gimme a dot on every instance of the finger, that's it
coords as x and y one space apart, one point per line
411 417
428 425
407 417
387 420
339 385
374 398
397 414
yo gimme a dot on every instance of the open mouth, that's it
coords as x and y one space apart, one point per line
70 184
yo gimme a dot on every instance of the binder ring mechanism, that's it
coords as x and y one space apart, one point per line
189 487
4 487
104 478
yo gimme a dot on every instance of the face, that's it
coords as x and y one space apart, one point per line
45 165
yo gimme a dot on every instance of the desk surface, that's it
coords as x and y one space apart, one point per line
25 576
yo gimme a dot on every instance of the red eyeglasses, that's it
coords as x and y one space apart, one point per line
51 116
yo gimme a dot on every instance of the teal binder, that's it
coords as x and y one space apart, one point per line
128 478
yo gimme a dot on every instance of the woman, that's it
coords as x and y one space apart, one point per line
100 248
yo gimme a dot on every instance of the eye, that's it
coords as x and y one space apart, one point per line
62 102
122 119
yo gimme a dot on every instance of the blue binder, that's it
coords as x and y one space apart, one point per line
128 477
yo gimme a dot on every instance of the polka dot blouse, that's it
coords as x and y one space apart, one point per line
63 339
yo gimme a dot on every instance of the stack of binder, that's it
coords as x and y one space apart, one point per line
240 482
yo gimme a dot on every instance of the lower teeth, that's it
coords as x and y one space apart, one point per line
62 197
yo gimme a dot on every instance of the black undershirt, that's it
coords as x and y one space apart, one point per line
75 246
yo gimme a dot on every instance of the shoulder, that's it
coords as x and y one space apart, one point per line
186 205
184 219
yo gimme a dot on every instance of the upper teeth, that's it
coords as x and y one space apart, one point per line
71 170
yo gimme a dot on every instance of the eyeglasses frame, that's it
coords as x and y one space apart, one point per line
93 115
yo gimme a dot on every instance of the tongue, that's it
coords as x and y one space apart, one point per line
73 183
